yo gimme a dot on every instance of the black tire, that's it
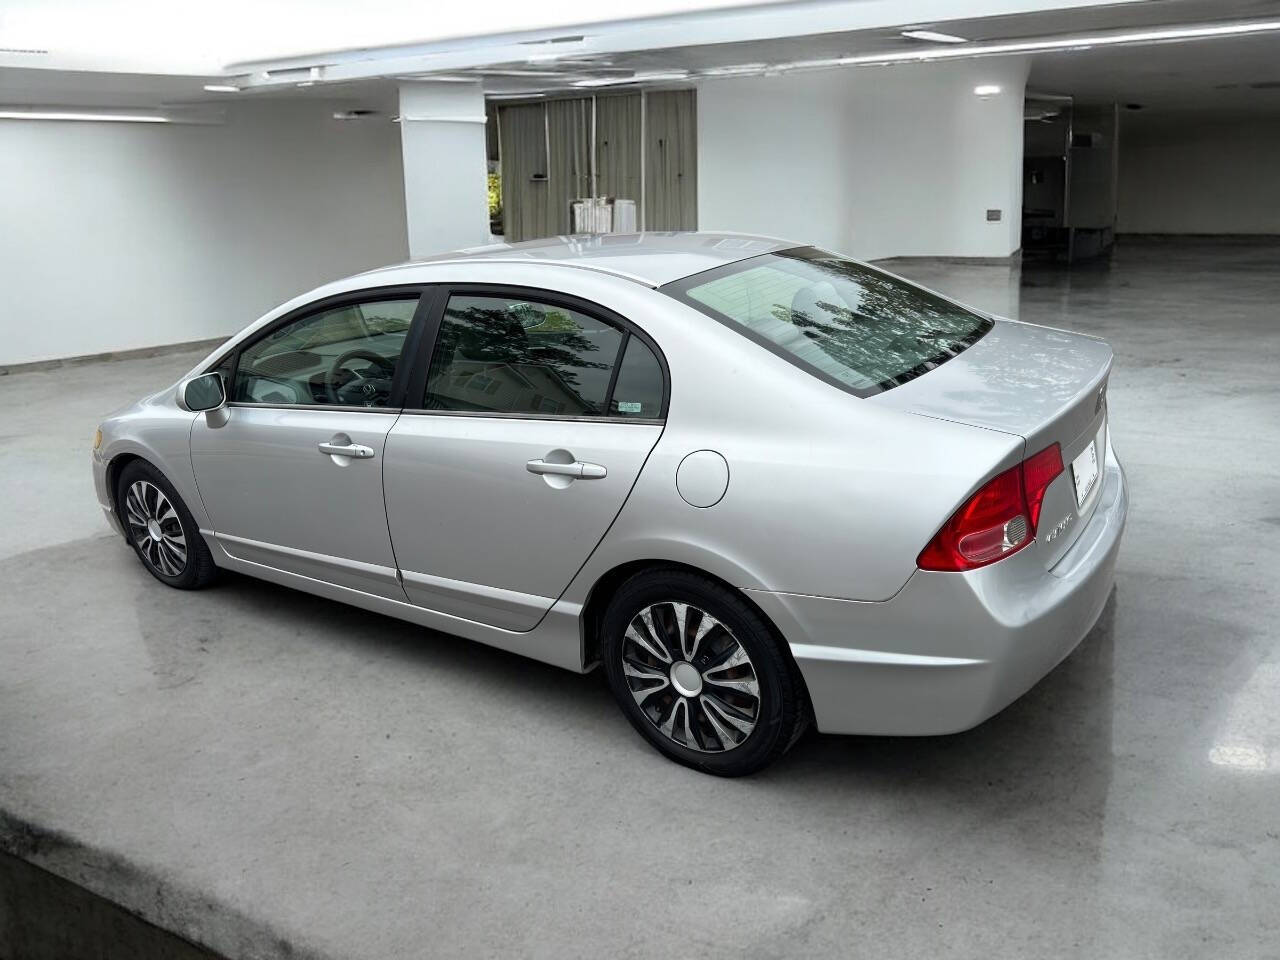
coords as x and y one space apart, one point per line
781 709
197 569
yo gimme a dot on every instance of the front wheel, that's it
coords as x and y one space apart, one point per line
700 674
161 529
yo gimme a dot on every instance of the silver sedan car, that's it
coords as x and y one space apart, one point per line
765 486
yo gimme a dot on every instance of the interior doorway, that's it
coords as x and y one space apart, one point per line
1070 172
606 163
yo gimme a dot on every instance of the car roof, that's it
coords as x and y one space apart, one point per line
651 258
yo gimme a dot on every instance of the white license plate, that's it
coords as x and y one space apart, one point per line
1084 470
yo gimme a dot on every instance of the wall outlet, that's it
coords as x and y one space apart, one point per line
994 216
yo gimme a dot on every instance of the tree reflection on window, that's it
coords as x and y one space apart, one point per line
502 355
861 327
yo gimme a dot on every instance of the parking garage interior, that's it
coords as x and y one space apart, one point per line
254 772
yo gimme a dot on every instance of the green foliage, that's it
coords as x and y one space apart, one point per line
495 195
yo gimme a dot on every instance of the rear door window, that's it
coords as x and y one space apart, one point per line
525 356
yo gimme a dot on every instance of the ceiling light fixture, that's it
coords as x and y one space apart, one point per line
634 78
734 70
72 115
933 36
221 88
1035 46
987 89
569 38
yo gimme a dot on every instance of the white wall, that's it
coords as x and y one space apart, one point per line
874 162
116 235
1199 175
446 193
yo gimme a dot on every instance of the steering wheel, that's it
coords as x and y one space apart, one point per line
349 388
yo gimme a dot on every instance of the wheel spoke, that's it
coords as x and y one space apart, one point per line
134 506
681 613
718 710
705 626
689 739
726 738
733 662
748 685
668 725
733 656
654 647
171 553
658 635
656 679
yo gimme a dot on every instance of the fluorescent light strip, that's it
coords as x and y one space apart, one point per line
1031 46
107 117
636 78
734 70
933 36
221 88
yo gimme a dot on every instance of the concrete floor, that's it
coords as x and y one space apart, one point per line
274 775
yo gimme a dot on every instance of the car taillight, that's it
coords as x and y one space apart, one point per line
1038 471
999 520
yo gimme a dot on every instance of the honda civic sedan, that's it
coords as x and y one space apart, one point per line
762 485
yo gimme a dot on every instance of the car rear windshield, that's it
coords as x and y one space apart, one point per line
849 324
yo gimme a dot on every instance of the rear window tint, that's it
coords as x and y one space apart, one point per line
854 326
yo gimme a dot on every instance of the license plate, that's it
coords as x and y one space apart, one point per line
1084 470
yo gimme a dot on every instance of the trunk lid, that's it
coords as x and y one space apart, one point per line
1044 385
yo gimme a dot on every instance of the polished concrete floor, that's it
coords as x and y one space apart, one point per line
274 775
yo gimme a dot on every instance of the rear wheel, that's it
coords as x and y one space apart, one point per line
161 529
700 674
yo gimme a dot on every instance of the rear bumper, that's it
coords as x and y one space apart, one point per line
950 650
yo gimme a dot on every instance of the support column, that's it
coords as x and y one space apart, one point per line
871 161
442 138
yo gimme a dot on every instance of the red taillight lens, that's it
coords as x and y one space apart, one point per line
1038 471
998 520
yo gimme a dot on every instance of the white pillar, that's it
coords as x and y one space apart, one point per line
442 137
869 161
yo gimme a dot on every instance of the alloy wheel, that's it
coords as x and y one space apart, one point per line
691 677
156 528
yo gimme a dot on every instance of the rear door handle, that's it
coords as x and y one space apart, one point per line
578 470
355 451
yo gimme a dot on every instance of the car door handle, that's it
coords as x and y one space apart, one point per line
355 451
577 469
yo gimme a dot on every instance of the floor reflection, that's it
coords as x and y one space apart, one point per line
1249 738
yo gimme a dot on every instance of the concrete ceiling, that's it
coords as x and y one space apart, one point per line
199 37
1226 74
1236 76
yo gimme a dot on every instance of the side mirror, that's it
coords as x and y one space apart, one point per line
205 392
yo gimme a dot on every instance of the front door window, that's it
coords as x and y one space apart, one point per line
342 356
